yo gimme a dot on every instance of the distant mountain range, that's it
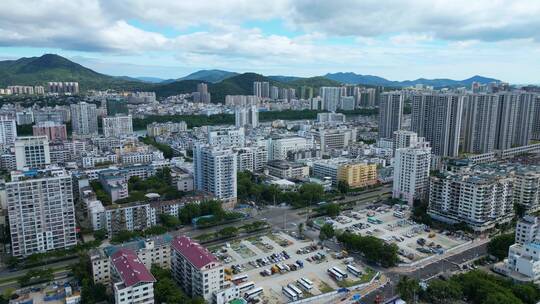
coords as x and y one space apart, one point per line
353 78
209 75
152 79
50 67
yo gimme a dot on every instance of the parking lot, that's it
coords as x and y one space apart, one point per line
415 241
259 258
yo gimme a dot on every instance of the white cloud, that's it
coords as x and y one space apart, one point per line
484 20
450 38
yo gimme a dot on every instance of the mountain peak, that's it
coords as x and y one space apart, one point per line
213 75
353 78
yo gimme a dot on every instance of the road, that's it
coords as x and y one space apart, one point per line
280 218
431 270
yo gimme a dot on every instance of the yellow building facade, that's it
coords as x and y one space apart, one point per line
358 175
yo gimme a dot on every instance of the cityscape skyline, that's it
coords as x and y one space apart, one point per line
301 38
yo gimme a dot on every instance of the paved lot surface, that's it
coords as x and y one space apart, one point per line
398 230
272 285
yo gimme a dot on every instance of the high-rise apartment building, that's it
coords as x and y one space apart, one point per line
261 89
274 92
132 282
117 126
202 94
437 118
251 158
390 113
41 211
53 130
365 97
480 122
306 92
405 139
515 119
64 87
215 171
525 112
330 98
227 137
241 100
536 120
8 131
411 173
25 117
246 116
84 118
198 272
526 188
32 152
479 199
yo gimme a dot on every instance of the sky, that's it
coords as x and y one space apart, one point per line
395 39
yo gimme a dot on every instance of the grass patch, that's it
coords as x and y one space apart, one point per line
366 277
324 287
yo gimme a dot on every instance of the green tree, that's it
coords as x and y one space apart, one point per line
500 298
189 212
498 246
311 193
419 212
332 209
343 187
373 249
301 229
169 221
198 300
101 234
165 289
443 292
327 232
12 262
408 288
519 210
528 293
228 231
478 286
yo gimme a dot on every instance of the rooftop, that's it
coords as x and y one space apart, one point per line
137 245
283 164
193 252
130 268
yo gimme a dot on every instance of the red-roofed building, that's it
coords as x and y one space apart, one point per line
132 282
195 268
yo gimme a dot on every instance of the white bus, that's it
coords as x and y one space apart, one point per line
340 272
295 289
399 214
291 295
246 286
305 285
307 281
354 270
335 275
239 279
252 294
